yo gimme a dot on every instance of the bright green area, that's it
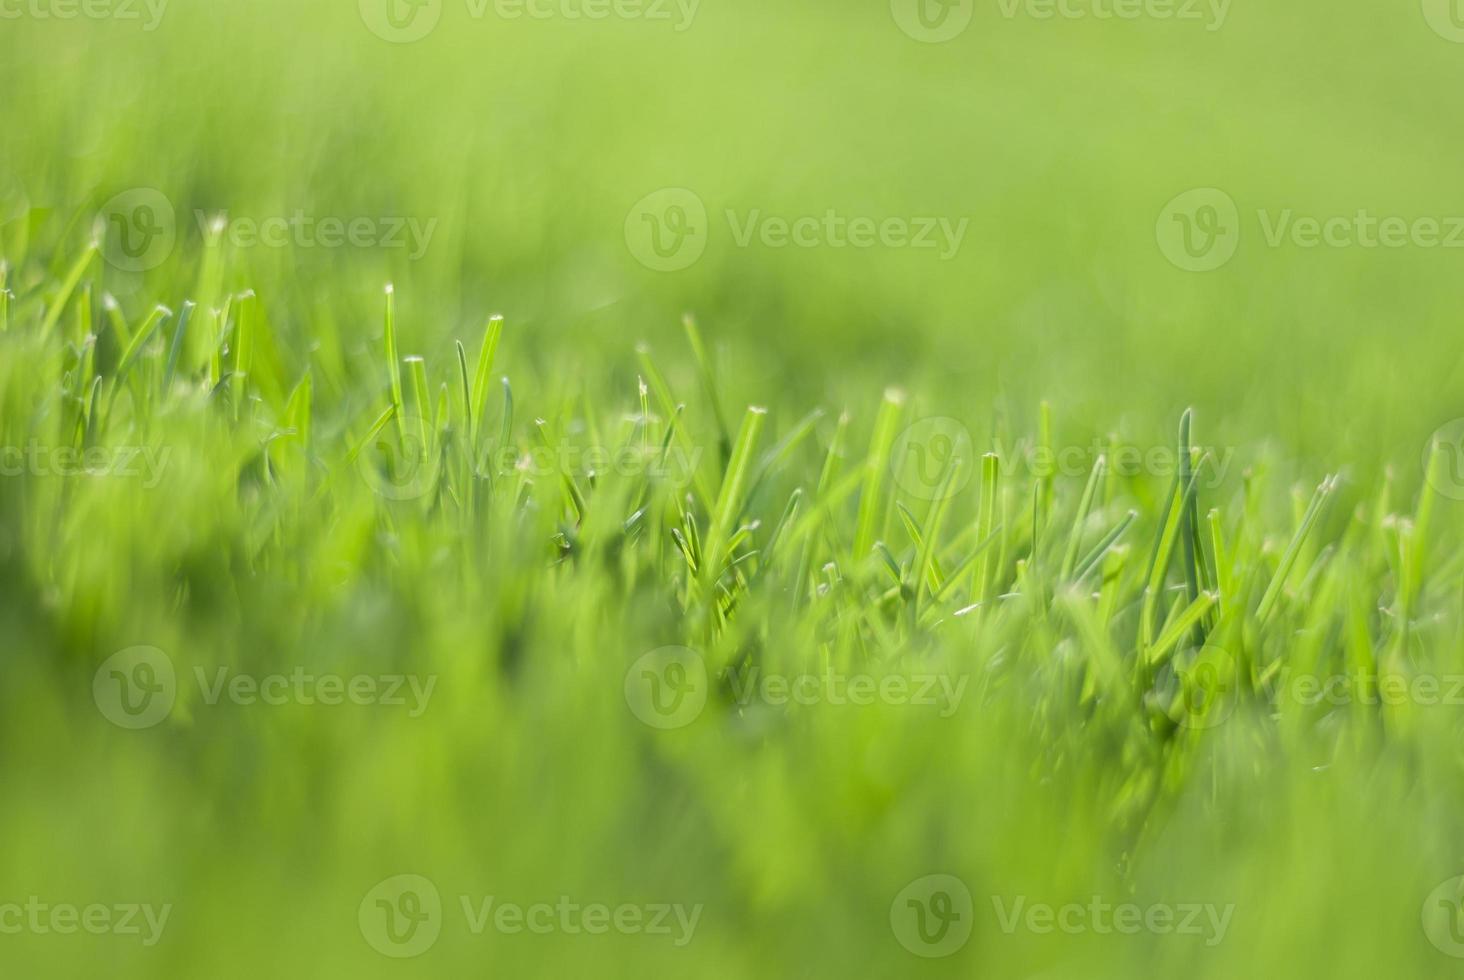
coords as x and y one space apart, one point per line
280 488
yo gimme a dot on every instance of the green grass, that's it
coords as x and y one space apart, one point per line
764 588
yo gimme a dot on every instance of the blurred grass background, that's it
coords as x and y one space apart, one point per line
528 142
1061 141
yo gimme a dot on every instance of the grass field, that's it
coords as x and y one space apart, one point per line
589 488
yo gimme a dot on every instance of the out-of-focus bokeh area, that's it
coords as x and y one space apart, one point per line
526 142
593 178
